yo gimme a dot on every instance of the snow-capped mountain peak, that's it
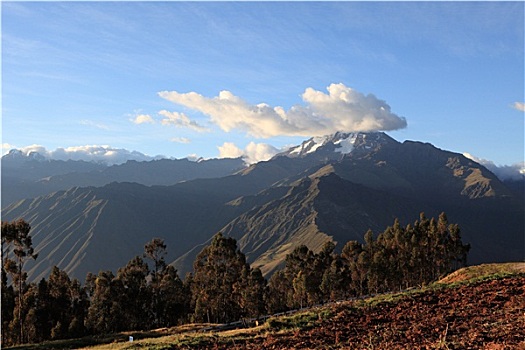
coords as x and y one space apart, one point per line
337 145
16 155
346 144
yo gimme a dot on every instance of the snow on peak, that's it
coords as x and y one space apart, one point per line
316 142
346 144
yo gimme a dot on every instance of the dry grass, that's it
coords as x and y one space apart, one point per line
483 270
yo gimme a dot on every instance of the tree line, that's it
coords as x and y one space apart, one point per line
148 293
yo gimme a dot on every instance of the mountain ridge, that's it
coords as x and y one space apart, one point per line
29 177
272 206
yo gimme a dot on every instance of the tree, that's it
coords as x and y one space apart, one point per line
336 280
105 311
253 293
173 297
79 308
304 275
136 298
354 259
59 302
17 248
218 279
280 292
300 282
8 306
155 250
300 288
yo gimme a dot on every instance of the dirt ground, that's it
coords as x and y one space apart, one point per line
487 315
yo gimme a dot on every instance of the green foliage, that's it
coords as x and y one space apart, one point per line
105 313
223 287
17 248
136 295
399 258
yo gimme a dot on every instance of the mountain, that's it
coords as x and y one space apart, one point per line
314 210
339 201
32 175
331 188
33 166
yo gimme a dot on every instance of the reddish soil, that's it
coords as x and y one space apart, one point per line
486 315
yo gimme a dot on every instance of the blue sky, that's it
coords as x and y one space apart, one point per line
219 79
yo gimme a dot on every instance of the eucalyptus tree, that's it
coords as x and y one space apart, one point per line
17 249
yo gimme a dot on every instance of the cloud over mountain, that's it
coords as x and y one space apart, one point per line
252 153
95 153
504 172
341 109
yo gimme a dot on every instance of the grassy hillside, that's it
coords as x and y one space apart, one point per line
475 307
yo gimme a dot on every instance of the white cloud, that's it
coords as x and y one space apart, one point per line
35 148
257 152
143 119
520 106
252 153
6 147
342 109
180 120
504 172
95 153
169 118
229 150
181 140
193 157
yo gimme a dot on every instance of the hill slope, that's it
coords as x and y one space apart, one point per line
482 312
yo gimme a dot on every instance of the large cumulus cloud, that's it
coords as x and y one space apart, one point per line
341 109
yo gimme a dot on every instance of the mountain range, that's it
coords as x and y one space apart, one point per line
87 217
32 175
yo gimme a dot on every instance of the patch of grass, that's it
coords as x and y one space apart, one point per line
479 273
299 321
465 276
483 272
71 343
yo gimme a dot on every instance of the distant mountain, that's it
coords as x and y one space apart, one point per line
517 186
330 188
28 176
33 166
